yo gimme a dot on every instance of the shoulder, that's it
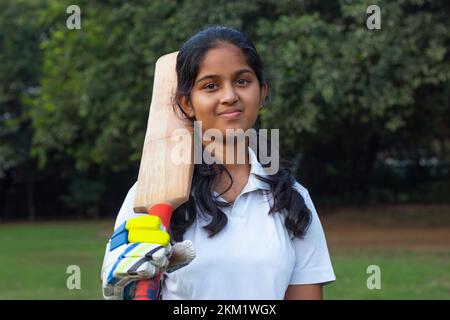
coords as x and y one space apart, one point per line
301 189
313 264
132 190
315 227
305 195
131 194
126 210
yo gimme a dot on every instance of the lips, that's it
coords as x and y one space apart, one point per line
230 111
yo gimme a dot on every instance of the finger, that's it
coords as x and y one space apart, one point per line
123 267
149 236
146 270
141 269
144 222
183 254
134 256
158 257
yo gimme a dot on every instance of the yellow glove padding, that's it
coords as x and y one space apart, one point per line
147 229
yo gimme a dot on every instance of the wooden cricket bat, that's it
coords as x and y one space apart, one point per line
167 162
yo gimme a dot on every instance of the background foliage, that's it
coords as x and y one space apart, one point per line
363 114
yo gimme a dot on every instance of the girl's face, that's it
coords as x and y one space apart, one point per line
226 93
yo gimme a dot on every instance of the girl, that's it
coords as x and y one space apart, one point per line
256 236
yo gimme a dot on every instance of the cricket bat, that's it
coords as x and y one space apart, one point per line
167 164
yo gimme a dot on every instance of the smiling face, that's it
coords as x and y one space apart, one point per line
226 93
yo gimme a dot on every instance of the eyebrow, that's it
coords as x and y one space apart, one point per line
237 73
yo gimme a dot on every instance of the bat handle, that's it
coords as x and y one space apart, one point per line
150 289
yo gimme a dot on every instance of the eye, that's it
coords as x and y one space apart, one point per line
210 86
243 82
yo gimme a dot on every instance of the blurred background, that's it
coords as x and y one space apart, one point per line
363 116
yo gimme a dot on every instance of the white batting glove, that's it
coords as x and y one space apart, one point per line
138 250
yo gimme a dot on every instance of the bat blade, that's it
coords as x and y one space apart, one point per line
166 167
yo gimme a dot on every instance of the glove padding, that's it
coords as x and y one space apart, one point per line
132 261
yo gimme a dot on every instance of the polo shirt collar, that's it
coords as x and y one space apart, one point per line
253 182
256 168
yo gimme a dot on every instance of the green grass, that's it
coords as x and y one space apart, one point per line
404 274
35 258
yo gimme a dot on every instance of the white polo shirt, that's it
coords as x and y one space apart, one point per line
252 257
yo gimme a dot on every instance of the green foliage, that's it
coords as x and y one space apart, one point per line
19 71
83 194
351 92
80 98
97 85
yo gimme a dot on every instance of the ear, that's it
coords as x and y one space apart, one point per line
187 107
264 89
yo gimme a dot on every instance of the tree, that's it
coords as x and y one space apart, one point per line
352 93
79 98
19 80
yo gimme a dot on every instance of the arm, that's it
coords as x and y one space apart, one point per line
304 292
313 268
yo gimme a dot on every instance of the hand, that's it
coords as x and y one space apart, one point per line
139 249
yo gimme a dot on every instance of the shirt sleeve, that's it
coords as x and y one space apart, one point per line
312 263
126 210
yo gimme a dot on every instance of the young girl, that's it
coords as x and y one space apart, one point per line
256 236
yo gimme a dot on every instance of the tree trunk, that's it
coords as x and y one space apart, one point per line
5 185
30 192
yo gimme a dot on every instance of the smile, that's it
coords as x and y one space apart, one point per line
231 115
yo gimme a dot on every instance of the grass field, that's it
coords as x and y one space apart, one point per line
411 247
35 258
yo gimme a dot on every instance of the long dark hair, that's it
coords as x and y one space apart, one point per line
285 196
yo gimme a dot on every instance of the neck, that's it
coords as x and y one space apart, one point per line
234 156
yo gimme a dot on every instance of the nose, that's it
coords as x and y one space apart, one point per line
229 95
